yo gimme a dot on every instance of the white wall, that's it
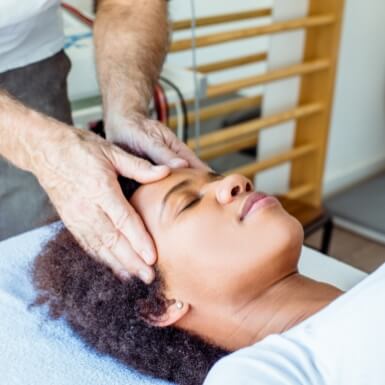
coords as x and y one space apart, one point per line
357 135
357 131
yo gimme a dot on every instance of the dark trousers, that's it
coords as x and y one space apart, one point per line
42 86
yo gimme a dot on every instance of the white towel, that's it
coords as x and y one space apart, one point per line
35 350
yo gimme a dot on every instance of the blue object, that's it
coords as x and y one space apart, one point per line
74 40
35 350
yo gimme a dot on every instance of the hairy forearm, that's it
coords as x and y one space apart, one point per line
25 134
131 39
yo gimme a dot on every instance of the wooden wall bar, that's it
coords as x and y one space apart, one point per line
222 37
236 85
228 147
220 19
312 115
301 191
221 109
251 169
322 42
231 63
252 127
295 70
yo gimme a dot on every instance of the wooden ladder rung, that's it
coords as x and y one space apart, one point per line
219 19
228 147
251 169
220 109
231 63
299 192
294 70
254 126
223 37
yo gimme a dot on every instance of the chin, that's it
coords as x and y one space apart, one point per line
288 236
293 239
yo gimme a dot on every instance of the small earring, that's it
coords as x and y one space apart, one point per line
179 305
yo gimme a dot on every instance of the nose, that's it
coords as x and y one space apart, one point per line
232 186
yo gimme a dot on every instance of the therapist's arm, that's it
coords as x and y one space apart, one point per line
131 41
78 170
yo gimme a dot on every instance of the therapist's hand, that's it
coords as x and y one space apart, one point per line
78 170
150 138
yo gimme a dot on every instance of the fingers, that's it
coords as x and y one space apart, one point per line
124 262
136 168
128 223
113 249
108 258
100 237
183 151
161 145
169 150
186 153
161 154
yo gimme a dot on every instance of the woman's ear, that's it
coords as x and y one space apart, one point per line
173 314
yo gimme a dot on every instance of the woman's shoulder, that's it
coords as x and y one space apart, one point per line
272 361
351 321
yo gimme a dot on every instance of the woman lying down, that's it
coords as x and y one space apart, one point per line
226 284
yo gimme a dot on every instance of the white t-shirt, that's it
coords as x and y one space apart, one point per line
30 31
343 344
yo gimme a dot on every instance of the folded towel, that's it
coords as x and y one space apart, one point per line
35 350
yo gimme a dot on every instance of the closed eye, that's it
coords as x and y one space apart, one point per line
192 203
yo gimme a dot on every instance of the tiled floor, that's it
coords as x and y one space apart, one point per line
352 249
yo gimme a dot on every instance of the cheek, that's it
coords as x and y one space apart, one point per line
191 254
277 249
211 255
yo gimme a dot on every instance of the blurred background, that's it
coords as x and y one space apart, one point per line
313 72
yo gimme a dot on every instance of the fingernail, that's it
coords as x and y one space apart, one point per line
124 275
178 162
145 276
159 168
148 257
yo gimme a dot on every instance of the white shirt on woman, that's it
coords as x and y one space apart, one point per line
343 344
30 31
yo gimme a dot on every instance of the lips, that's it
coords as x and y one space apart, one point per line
249 202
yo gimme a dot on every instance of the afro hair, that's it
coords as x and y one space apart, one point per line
113 316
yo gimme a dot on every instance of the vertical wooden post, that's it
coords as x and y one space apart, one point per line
322 42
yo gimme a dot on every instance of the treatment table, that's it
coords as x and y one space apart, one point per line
35 350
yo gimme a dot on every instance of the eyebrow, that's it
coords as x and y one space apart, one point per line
181 185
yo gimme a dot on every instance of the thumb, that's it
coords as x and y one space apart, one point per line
136 168
162 154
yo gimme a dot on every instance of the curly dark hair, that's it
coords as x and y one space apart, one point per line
113 316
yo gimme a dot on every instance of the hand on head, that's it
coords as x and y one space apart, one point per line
79 172
217 252
153 140
219 244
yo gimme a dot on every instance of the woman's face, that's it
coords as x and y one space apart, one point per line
209 248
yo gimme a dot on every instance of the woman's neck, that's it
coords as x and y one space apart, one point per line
279 308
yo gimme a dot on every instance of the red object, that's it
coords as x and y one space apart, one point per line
161 104
81 16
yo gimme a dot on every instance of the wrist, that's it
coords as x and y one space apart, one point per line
134 102
24 132
39 141
117 123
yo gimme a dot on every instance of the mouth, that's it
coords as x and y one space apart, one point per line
255 201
